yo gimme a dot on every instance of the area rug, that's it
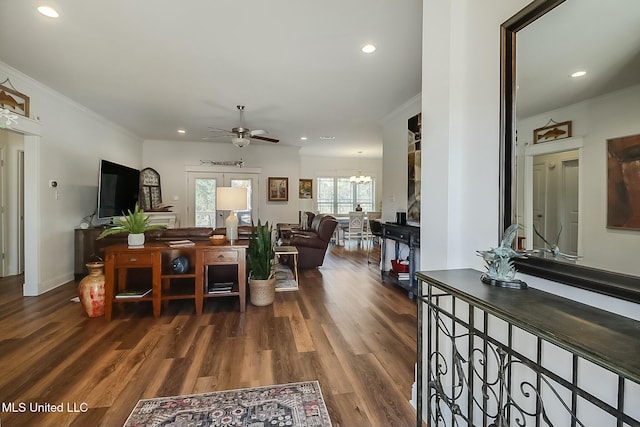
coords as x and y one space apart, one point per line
285 280
295 404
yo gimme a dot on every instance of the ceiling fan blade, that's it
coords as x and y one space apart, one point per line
264 138
258 132
220 130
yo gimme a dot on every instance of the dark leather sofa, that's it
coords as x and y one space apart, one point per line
312 243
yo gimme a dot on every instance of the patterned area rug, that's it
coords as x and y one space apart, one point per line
295 404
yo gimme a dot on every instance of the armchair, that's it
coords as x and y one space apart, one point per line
312 243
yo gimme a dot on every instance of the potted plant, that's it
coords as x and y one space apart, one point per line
135 223
260 254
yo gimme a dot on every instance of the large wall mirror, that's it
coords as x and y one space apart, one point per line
555 130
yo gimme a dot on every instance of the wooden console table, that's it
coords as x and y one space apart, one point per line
157 256
405 234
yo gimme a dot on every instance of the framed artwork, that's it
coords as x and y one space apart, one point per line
278 189
623 182
150 197
552 132
13 100
414 140
305 189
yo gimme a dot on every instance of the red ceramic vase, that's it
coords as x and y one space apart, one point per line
91 290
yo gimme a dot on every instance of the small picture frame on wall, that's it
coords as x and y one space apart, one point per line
278 189
12 100
305 189
552 132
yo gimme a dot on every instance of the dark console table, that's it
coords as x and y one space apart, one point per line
506 357
408 235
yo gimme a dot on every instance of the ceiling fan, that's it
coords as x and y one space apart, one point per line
241 135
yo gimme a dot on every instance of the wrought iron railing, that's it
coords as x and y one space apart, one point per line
471 375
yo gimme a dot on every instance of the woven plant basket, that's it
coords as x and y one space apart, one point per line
262 292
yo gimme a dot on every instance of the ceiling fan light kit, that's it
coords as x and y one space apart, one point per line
240 142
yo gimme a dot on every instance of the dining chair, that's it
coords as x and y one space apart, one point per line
355 228
367 232
375 228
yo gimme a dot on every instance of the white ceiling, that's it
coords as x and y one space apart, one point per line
155 66
600 37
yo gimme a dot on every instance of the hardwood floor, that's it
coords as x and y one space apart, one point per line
354 334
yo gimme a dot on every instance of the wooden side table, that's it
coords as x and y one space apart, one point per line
289 250
217 257
120 258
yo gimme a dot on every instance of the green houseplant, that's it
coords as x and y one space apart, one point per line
135 223
260 254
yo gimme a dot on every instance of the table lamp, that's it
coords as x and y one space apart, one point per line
231 199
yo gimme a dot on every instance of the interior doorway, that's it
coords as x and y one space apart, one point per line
12 235
556 201
201 195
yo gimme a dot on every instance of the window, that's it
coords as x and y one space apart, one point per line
339 196
205 199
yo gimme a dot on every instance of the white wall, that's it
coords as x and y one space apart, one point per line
596 120
72 140
460 137
170 159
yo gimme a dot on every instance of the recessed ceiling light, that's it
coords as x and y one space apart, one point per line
48 11
303 138
327 138
579 73
182 131
368 48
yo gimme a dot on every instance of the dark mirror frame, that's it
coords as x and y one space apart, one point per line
605 282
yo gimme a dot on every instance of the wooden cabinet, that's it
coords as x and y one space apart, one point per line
84 241
205 262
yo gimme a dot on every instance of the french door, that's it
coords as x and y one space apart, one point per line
201 197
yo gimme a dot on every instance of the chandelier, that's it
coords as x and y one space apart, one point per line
360 179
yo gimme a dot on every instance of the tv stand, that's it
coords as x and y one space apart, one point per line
84 248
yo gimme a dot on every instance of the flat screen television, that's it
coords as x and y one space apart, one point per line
118 189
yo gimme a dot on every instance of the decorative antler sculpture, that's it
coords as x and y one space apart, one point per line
553 249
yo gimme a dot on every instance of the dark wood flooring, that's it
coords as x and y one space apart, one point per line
344 328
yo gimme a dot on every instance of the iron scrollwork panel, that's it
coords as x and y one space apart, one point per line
475 379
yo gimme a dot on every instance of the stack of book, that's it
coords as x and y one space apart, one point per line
220 287
180 243
400 276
